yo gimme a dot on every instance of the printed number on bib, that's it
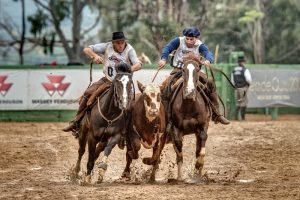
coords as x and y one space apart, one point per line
110 71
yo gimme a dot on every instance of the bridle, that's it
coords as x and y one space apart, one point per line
111 121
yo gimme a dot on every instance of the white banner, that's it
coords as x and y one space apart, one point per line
13 90
59 89
274 88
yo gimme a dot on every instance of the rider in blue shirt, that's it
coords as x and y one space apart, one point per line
189 46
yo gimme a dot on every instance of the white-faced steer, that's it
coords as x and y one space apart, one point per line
147 128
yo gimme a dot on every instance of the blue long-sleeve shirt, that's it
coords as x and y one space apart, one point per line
174 44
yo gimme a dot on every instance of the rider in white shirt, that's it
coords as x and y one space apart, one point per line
110 54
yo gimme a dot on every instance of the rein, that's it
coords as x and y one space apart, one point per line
91 71
109 121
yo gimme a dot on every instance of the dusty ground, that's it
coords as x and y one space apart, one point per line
257 159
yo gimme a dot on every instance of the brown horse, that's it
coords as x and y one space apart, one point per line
106 123
190 113
148 128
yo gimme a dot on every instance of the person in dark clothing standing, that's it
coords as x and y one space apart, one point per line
242 79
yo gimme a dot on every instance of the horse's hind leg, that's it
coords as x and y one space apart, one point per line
82 143
91 160
107 151
126 172
201 137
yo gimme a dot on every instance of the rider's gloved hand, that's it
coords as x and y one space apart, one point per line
98 59
161 64
206 63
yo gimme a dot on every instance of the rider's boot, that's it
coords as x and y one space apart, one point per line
74 124
97 93
217 117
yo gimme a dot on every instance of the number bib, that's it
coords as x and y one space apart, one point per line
112 58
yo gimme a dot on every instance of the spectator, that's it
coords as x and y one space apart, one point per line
242 79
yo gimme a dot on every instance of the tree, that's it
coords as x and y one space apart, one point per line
18 38
57 11
253 20
283 30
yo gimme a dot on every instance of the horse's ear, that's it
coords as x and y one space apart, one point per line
140 86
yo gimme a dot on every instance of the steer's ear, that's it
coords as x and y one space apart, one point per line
140 86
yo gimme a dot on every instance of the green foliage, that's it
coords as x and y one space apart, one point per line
61 8
251 16
282 32
227 27
38 21
150 24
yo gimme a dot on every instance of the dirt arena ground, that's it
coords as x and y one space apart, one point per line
257 159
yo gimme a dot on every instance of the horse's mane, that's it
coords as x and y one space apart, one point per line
123 68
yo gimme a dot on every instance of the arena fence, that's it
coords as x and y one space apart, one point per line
50 93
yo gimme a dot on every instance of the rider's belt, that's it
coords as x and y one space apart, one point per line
178 65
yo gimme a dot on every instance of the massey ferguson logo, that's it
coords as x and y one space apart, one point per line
4 87
56 85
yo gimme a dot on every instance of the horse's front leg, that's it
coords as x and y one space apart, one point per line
113 141
100 147
177 144
201 137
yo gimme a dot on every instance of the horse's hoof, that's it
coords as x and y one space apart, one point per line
72 174
152 180
126 175
101 175
148 161
102 165
87 180
172 180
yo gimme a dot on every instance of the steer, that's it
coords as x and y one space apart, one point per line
147 127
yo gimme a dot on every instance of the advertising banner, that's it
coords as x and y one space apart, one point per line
274 88
57 89
13 90
60 89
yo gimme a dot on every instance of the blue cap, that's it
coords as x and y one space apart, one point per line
191 32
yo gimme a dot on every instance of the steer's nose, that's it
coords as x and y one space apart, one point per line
153 112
